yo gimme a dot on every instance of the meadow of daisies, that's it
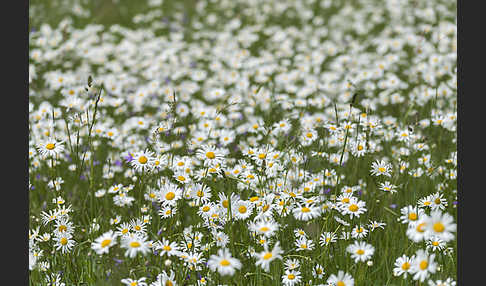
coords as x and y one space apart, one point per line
242 142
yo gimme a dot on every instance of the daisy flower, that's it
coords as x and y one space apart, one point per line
103 243
50 147
299 233
327 238
241 209
221 238
134 282
143 161
201 193
417 231
223 262
267 228
165 279
308 136
63 225
438 202
167 248
318 271
375 224
182 177
388 187
360 251
291 264
447 282
354 208
379 168
410 214
167 211
265 257
435 243
194 259
359 232
441 225
341 279
210 155
123 229
170 194
402 265
282 126
306 212
358 148
138 225
135 244
304 243
291 277
64 242
422 265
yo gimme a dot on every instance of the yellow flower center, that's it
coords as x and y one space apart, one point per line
167 248
262 156
423 265
267 255
252 199
264 229
205 208
305 210
265 208
420 227
170 196
381 169
137 227
225 204
406 266
360 251
142 160
169 283
437 201
353 208
242 209
360 147
340 283
224 262
62 228
63 241
309 135
210 155
181 178
134 244
438 227
435 243
50 146
412 216
105 242
291 276
345 200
